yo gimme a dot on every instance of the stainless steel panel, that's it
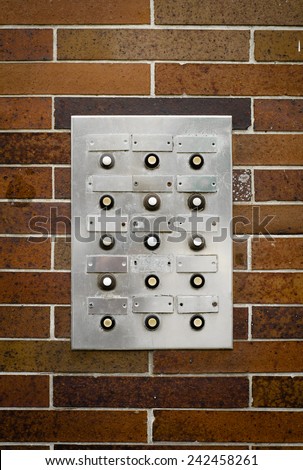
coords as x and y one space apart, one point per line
105 264
108 142
110 183
152 143
106 223
201 184
151 264
153 183
197 263
153 304
104 306
197 144
197 304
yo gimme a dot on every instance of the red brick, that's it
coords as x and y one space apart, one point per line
240 254
62 322
62 183
278 115
24 391
24 322
20 253
240 323
126 446
62 253
25 183
26 44
278 185
278 46
277 322
277 253
25 113
277 392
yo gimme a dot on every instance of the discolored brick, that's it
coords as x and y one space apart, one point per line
268 288
62 183
228 79
20 253
278 46
240 254
277 253
26 44
277 322
57 356
227 426
24 391
268 149
149 44
234 12
29 287
246 356
281 447
62 322
278 115
151 392
24 322
31 148
241 185
75 78
35 218
240 323
278 185
152 446
25 183
239 108
73 426
277 392
62 253
25 113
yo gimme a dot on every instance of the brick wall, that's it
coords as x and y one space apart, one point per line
60 58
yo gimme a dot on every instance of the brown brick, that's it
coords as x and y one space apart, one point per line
278 46
38 147
25 447
227 426
28 287
237 12
268 288
143 44
25 183
240 323
255 356
20 253
151 392
268 149
24 390
25 113
62 253
73 79
240 254
279 185
241 185
26 44
75 12
57 356
277 253
239 108
35 218
278 115
228 79
282 447
62 183
24 322
126 446
277 322
268 219
73 426
62 322
277 392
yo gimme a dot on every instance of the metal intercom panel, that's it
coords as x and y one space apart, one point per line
151 232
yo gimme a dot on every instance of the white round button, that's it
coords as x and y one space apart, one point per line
106 160
152 241
197 241
196 201
152 160
108 323
198 322
107 281
152 201
107 241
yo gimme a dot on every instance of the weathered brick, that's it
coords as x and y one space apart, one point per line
268 288
240 323
237 12
24 391
72 79
24 447
278 185
239 108
25 113
240 254
152 446
278 115
157 44
20 253
268 149
241 185
151 392
62 183
227 426
25 183
26 44
24 322
278 46
277 322
62 322
28 287
75 12
38 147
62 253
277 253
246 356
73 426
228 79
277 392
57 356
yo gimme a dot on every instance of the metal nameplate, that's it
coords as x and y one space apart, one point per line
202 263
159 224
106 223
151 263
105 264
161 184
148 142
197 144
110 183
115 305
153 304
201 184
108 142
197 304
